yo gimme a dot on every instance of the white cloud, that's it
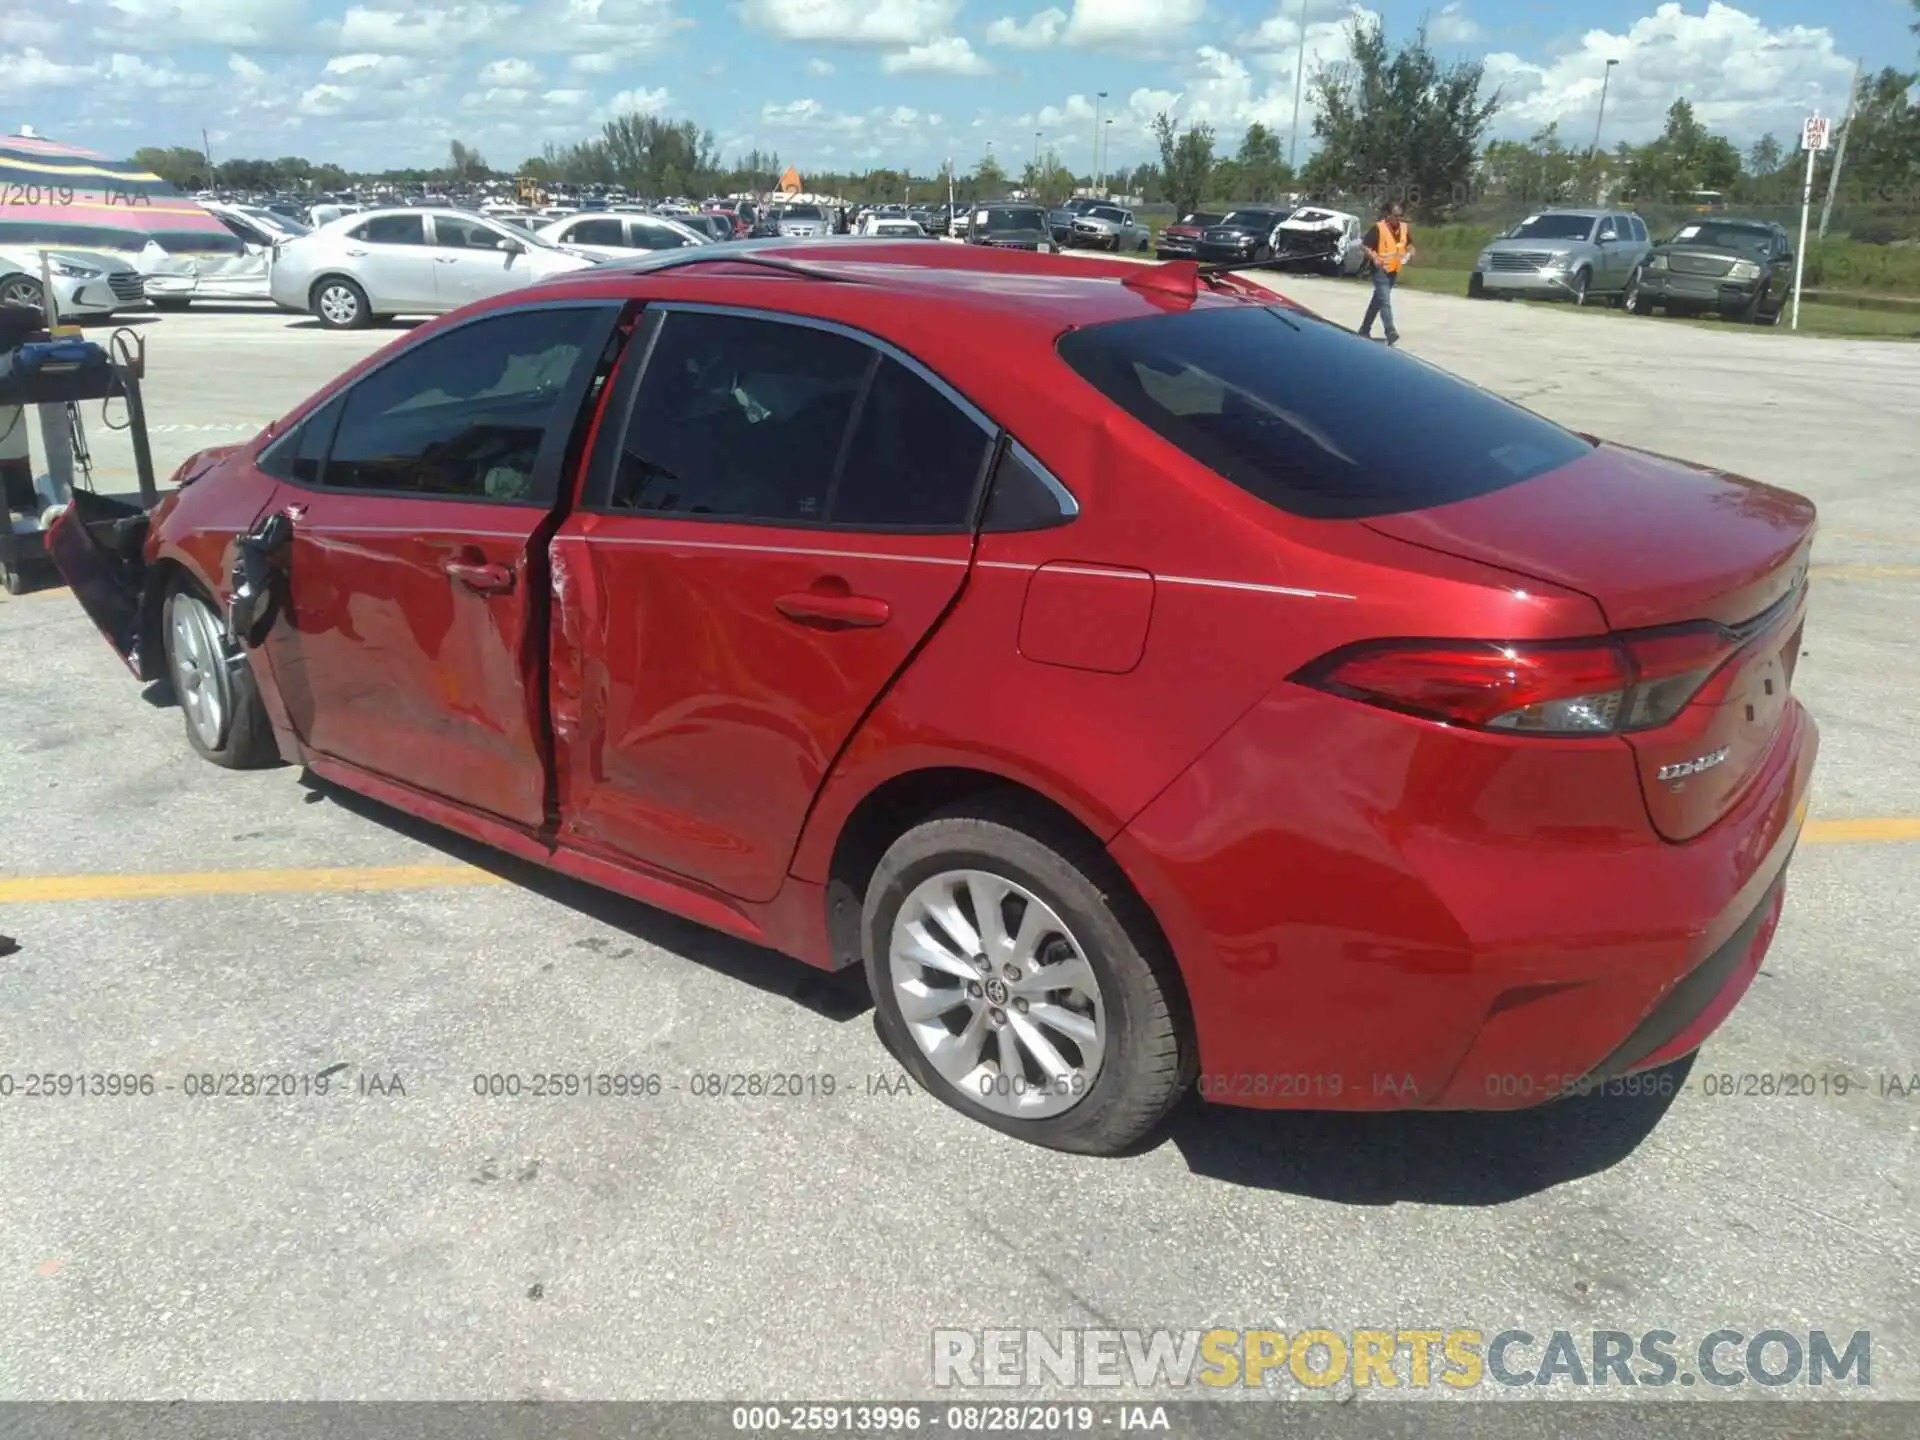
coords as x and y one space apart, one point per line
37 31
817 66
639 102
949 55
1036 32
513 74
134 72
370 67
596 62
247 72
325 100
1453 26
1120 24
419 29
160 23
853 22
1742 76
33 69
808 115
566 99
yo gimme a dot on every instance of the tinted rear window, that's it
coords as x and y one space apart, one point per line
1309 417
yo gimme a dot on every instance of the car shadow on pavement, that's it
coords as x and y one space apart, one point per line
396 326
837 997
1433 1157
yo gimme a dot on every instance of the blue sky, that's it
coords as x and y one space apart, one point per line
840 84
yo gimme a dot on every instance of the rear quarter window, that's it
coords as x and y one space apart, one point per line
1309 417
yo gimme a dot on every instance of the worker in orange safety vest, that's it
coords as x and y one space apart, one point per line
1389 245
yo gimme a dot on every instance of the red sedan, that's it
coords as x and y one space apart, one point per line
1145 679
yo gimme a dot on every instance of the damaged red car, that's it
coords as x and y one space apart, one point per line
1080 647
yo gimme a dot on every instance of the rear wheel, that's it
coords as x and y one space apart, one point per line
226 721
1581 281
21 290
339 304
1026 989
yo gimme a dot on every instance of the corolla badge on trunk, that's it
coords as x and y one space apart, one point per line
1681 769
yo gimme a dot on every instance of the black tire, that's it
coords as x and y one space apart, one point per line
1633 300
1150 1057
23 290
171 304
1476 286
1754 311
1263 254
1582 283
12 580
329 302
245 741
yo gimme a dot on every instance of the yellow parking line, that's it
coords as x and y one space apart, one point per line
26 889
360 880
1861 832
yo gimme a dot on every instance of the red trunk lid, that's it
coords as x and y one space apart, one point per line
1658 542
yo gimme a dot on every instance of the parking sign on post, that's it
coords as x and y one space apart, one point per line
1813 139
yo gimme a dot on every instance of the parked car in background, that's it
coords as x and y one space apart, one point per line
883 227
1742 269
328 212
1060 219
1108 227
1011 227
804 222
363 268
1084 659
175 282
1243 234
1563 255
87 285
1314 237
710 224
1180 240
607 235
961 220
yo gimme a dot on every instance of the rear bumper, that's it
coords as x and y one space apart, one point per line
1395 916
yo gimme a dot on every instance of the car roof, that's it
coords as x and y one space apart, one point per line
894 287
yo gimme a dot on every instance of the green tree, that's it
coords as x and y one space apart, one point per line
1186 162
1259 170
1685 157
988 181
1046 179
1764 156
1398 124
180 166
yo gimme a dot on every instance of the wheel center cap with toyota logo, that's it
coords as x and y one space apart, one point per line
997 991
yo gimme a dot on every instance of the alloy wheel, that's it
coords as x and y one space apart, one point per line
998 994
21 290
200 679
339 305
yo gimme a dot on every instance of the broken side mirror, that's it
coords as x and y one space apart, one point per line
257 562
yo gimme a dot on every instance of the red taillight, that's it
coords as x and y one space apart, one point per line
1582 687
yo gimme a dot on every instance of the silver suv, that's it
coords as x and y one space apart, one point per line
1563 254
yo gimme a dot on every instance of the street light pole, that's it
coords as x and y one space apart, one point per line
1299 83
1093 180
1593 151
1106 159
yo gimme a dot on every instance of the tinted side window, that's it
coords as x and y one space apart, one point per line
297 455
464 414
597 232
1024 496
657 237
914 460
1285 405
1639 228
393 230
740 417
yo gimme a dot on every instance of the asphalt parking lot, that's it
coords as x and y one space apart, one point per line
176 919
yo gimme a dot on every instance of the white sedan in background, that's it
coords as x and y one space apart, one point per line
412 261
609 236
888 228
176 281
86 285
